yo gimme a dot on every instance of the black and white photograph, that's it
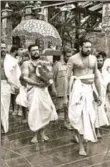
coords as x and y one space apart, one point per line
55 83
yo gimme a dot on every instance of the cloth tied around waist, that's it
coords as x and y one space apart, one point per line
78 92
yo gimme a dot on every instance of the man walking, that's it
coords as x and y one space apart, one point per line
101 117
81 110
41 108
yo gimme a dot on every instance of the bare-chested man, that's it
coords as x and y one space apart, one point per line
39 101
81 109
5 93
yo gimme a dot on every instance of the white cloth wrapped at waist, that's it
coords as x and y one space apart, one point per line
5 104
101 117
76 82
81 108
41 108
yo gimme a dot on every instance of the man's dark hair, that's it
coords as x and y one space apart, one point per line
66 50
84 40
13 48
30 46
104 55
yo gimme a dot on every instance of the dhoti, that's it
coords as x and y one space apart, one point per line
101 116
41 108
5 104
81 109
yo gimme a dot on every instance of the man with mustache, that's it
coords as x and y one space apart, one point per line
81 110
41 108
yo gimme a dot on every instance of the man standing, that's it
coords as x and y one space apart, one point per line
14 76
61 84
5 92
21 109
41 108
81 109
101 117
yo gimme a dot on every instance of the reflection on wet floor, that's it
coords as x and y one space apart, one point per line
59 151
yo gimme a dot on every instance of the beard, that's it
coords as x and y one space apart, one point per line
85 54
35 58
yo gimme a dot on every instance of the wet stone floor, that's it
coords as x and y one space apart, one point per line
59 151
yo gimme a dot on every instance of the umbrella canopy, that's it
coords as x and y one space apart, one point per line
37 29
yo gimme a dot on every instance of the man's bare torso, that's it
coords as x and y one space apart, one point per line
81 66
30 67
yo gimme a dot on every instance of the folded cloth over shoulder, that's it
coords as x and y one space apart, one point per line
81 107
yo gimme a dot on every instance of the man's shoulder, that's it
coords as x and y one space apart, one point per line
10 59
74 57
26 63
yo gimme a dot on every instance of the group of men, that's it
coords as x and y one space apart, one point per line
78 86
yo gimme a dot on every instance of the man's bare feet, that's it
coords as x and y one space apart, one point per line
82 152
34 140
44 137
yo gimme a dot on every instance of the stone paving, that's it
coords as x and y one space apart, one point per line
59 151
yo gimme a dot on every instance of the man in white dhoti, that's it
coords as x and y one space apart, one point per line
14 75
21 99
101 117
81 110
5 93
41 107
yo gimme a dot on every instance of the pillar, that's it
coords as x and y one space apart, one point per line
6 26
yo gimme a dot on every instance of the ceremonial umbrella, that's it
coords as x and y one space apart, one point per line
37 29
